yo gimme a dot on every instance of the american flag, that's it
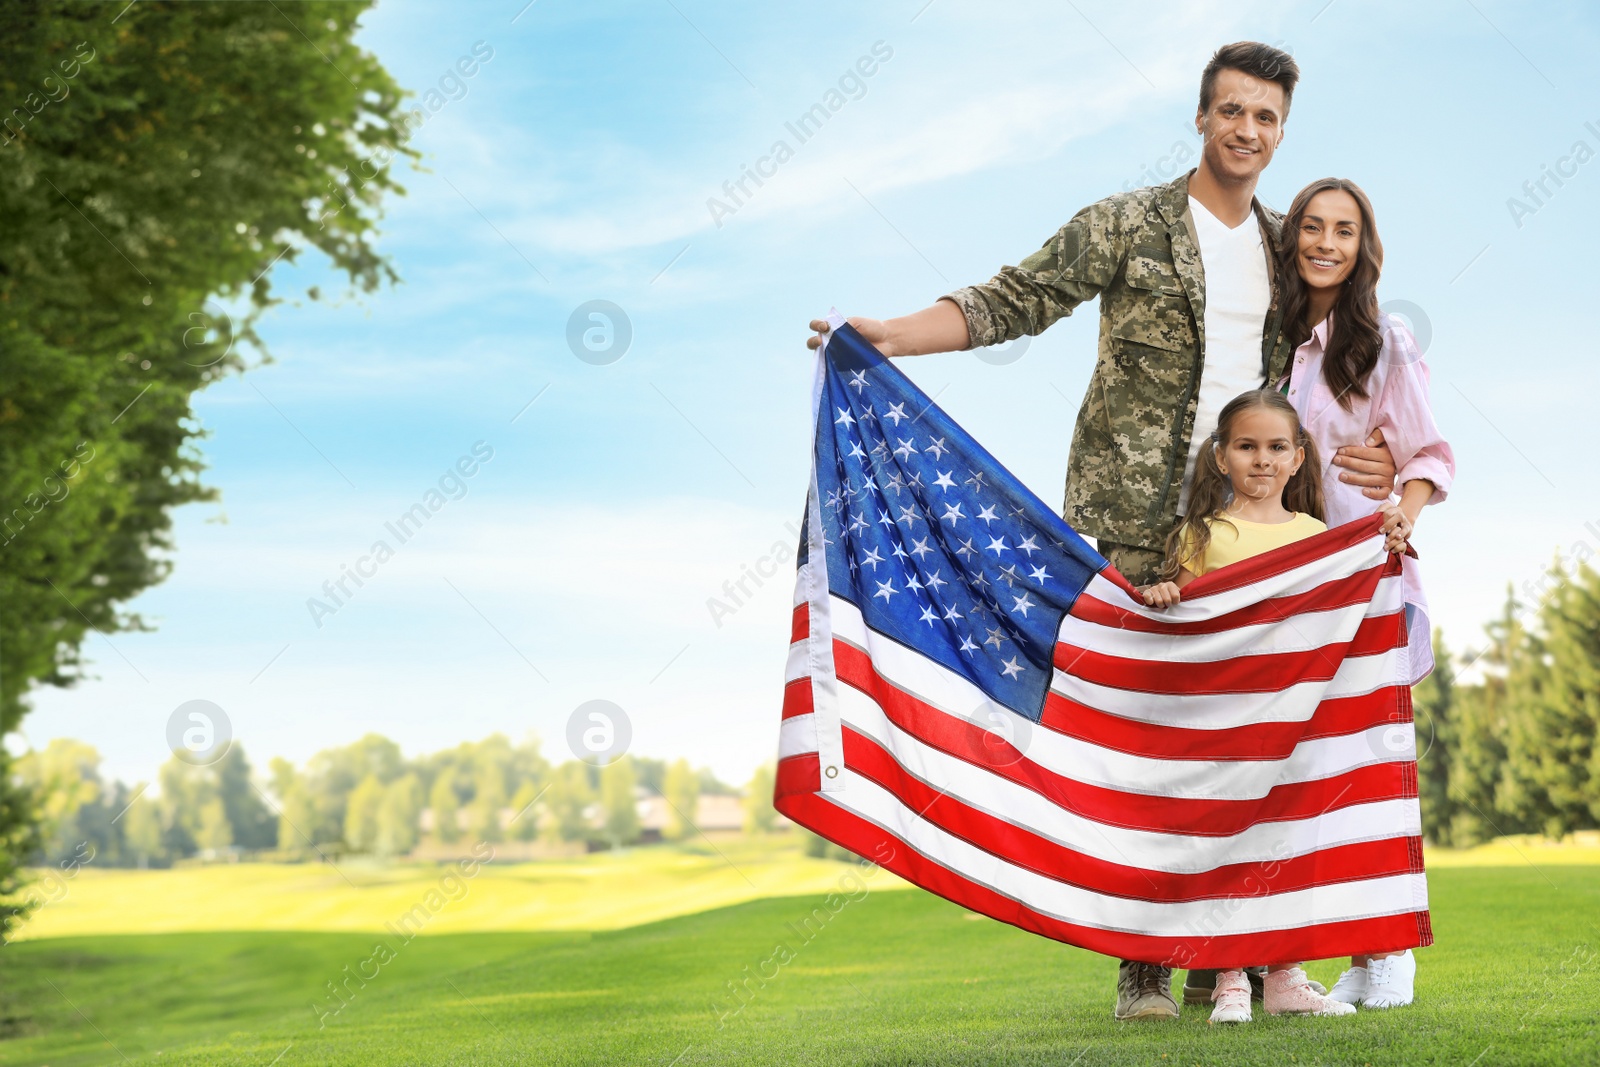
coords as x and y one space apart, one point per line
979 702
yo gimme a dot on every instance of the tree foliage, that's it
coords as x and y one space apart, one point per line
618 802
1519 746
156 164
759 814
682 791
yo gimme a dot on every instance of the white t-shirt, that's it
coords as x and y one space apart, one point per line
1238 293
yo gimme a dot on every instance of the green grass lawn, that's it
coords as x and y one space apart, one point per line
894 977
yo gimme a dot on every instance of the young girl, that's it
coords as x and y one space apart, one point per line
1257 486
1357 371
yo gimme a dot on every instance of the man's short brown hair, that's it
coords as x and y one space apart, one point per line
1255 59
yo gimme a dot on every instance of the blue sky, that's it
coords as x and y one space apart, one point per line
577 165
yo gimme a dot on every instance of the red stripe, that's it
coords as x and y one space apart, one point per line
1337 593
1334 717
1268 672
797 775
797 698
969 742
1289 557
1022 847
800 626
1320 941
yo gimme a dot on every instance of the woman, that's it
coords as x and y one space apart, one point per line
1356 371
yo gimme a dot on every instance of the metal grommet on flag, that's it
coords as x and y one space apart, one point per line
831 771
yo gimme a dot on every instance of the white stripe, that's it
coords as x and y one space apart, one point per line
1301 579
909 669
1301 632
1084 761
799 663
945 689
980 788
1356 676
1392 895
797 735
813 577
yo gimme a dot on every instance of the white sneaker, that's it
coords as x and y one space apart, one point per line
1351 986
1290 993
1231 995
1391 981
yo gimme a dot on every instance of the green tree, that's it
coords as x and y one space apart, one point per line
325 784
528 766
250 821
617 802
19 838
185 792
64 777
650 773
759 814
712 785
1479 725
445 803
525 812
159 163
1433 705
361 814
214 833
398 815
141 830
1554 709
682 791
297 813
567 803
488 798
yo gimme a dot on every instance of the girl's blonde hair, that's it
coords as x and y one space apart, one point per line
1210 492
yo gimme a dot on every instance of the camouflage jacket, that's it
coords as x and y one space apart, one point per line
1137 253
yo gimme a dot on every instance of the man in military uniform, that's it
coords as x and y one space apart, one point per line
1190 316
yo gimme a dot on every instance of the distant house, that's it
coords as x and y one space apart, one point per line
713 812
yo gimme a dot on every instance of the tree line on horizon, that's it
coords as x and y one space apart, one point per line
1511 753
1516 752
363 798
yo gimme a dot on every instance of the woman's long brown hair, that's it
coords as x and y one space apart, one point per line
1211 492
1355 337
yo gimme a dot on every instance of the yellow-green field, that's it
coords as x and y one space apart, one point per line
1581 848
602 891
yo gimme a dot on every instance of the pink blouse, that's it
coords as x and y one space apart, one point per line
1397 403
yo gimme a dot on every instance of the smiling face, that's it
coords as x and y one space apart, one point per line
1261 454
1242 126
1329 239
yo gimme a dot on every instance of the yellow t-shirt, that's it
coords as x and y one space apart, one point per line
1234 539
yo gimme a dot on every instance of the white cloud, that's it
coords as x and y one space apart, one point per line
927 116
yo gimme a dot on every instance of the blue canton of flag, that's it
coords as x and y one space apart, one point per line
937 544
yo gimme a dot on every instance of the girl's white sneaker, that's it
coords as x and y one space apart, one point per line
1351 986
1391 981
1290 993
1231 995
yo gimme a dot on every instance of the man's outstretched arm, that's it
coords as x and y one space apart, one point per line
940 328
1074 265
